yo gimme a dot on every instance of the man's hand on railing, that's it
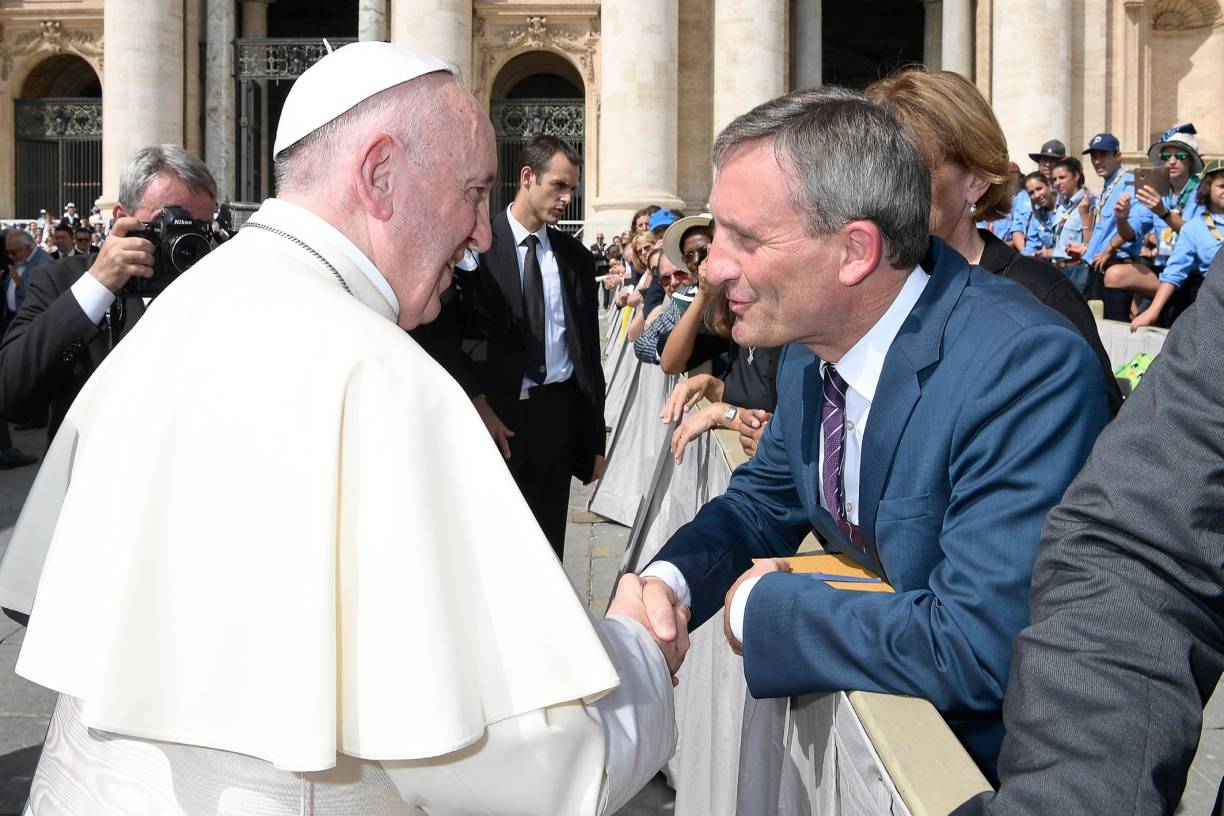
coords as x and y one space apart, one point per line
751 426
497 429
651 602
762 567
688 393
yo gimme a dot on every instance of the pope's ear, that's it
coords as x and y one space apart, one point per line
375 162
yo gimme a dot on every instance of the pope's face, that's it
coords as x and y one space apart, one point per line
781 284
447 214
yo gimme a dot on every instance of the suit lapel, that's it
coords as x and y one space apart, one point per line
504 266
916 348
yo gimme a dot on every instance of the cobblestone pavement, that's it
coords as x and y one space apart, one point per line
592 560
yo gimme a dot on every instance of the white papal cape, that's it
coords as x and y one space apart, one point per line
273 526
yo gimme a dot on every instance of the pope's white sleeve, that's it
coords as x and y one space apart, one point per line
569 758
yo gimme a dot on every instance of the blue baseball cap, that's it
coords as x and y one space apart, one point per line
663 218
1103 141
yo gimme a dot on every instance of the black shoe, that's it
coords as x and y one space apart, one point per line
13 458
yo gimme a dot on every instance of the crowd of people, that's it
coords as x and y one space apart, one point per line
1143 243
865 264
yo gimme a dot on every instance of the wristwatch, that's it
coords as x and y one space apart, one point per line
729 416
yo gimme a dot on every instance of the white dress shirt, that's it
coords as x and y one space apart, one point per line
860 367
556 353
95 299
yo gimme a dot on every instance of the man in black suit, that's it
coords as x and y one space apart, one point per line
67 325
1104 705
531 363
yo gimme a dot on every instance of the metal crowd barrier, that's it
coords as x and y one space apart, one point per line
845 753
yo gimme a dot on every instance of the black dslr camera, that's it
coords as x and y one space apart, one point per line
179 241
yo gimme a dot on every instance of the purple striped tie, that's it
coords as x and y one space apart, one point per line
833 431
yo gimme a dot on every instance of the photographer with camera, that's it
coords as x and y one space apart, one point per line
75 312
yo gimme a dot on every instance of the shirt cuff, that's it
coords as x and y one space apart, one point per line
93 297
673 577
739 604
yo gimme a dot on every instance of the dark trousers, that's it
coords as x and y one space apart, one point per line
542 453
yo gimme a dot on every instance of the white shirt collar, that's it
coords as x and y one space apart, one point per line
862 365
343 243
520 232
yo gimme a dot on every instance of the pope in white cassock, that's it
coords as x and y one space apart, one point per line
361 615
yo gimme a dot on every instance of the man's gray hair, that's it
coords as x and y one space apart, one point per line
407 108
150 162
850 161
24 237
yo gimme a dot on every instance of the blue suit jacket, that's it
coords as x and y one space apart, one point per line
987 406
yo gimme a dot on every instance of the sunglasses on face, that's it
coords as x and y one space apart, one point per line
1180 155
697 255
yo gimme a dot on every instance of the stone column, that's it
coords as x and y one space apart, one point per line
749 56
956 38
372 20
1032 106
806 46
1136 61
255 26
142 91
932 34
440 27
637 123
220 138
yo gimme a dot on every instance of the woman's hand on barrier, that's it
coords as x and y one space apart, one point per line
693 427
688 393
762 567
751 425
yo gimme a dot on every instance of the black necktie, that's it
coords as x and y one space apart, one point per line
533 308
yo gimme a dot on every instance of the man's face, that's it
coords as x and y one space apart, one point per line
434 230
670 277
81 241
696 247
166 190
63 240
19 252
781 284
599 238
1046 165
1105 162
1177 159
641 224
550 192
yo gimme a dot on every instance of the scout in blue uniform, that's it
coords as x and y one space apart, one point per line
1072 225
1197 244
1155 220
1039 238
1107 251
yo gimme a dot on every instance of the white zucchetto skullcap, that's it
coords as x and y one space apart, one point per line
343 79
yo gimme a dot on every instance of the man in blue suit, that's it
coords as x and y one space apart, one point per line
929 415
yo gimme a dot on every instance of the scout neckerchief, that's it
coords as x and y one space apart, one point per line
1119 174
1177 204
1211 225
1064 210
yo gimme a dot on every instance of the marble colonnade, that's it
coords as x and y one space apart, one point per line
135 111
1032 106
441 27
948 36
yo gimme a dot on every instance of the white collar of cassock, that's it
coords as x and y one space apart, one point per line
341 241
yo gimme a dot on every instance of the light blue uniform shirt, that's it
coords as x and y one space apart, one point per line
999 227
1022 210
1106 226
1040 233
1194 251
1143 221
1068 225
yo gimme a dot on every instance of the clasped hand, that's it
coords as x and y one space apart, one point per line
653 604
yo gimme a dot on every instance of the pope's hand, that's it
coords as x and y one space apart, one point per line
123 257
643 601
762 567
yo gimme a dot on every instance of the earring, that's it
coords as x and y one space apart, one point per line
972 209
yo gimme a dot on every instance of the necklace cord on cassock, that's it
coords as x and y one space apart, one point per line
305 246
